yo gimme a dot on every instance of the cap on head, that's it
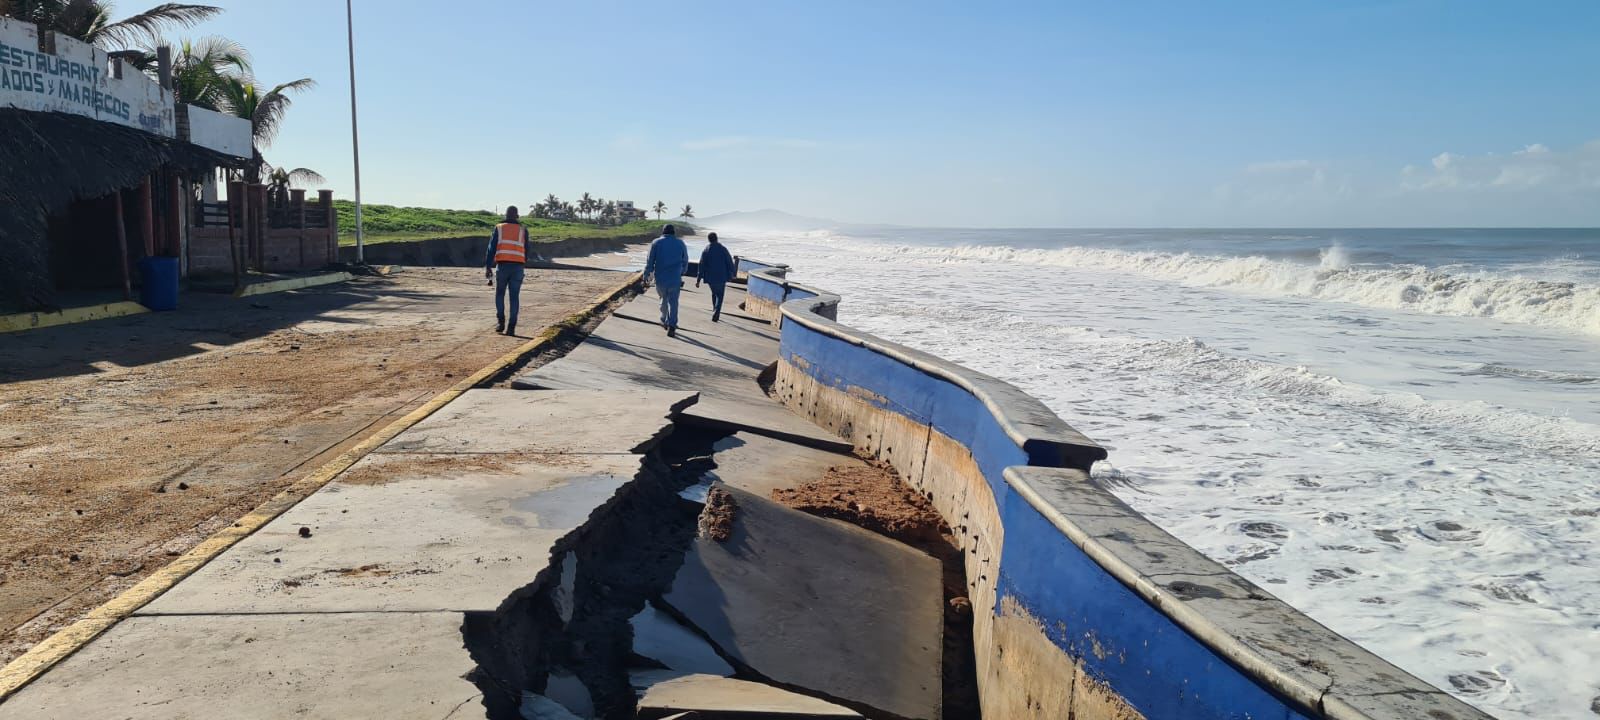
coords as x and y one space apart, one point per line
511 214
669 230
712 237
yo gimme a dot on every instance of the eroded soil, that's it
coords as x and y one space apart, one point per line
874 498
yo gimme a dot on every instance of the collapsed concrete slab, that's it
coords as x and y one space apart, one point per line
539 707
664 694
760 464
658 637
262 667
403 531
819 606
559 422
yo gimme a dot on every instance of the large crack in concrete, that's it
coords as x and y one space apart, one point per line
572 620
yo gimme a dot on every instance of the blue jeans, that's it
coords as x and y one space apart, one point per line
669 304
507 276
717 289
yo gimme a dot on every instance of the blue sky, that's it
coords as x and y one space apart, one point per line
1060 114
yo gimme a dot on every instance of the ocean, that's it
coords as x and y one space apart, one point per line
1395 431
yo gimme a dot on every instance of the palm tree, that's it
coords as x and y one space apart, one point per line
265 110
608 212
660 207
90 20
281 180
688 212
202 70
586 205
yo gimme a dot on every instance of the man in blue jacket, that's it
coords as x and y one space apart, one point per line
716 268
668 260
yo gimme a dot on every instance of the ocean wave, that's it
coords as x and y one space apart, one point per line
1497 370
1565 305
1194 358
1199 365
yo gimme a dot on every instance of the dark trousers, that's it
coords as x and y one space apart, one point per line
507 279
717 289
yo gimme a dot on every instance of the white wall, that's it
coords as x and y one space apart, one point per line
77 80
222 133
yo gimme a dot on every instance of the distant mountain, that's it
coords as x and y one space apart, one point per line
765 220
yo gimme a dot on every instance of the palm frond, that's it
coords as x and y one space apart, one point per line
146 25
306 176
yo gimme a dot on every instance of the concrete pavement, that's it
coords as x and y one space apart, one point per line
356 602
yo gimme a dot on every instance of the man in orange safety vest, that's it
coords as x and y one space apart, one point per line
508 256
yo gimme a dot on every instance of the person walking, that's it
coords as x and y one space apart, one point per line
716 268
506 261
665 265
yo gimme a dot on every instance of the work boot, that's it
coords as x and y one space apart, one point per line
500 325
672 331
511 329
716 316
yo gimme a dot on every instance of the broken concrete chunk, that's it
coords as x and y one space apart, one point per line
761 464
662 639
570 693
539 707
818 605
562 593
667 694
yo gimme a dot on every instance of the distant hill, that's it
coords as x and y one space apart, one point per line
766 220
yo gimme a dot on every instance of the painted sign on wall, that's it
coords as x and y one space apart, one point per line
77 79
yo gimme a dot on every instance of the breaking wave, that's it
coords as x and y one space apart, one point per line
1564 305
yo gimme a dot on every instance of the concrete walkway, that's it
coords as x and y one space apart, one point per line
355 603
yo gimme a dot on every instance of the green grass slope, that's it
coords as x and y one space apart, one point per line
388 223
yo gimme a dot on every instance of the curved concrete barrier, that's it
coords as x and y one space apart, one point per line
1083 608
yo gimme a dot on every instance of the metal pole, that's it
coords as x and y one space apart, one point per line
355 135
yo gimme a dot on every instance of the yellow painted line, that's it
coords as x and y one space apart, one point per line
29 321
68 640
299 283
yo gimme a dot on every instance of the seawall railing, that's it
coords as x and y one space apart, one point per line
1083 608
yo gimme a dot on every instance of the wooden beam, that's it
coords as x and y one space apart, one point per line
147 218
122 247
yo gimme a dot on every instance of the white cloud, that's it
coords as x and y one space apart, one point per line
731 142
1534 166
716 143
1277 166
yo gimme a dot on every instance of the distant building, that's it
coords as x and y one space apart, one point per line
626 212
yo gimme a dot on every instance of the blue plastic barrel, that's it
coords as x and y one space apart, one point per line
159 289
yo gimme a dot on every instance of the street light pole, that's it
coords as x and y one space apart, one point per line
355 134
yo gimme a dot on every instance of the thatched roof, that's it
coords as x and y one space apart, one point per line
53 159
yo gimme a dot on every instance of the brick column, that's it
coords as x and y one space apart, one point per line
325 199
297 203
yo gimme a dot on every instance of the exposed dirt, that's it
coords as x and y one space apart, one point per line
874 498
125 442
716 520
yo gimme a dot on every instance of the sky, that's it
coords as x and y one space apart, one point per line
1282 113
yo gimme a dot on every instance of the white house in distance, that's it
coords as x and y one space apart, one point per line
626 212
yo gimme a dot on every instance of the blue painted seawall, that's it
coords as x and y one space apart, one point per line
1083 608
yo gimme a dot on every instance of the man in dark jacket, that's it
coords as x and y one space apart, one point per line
716 269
